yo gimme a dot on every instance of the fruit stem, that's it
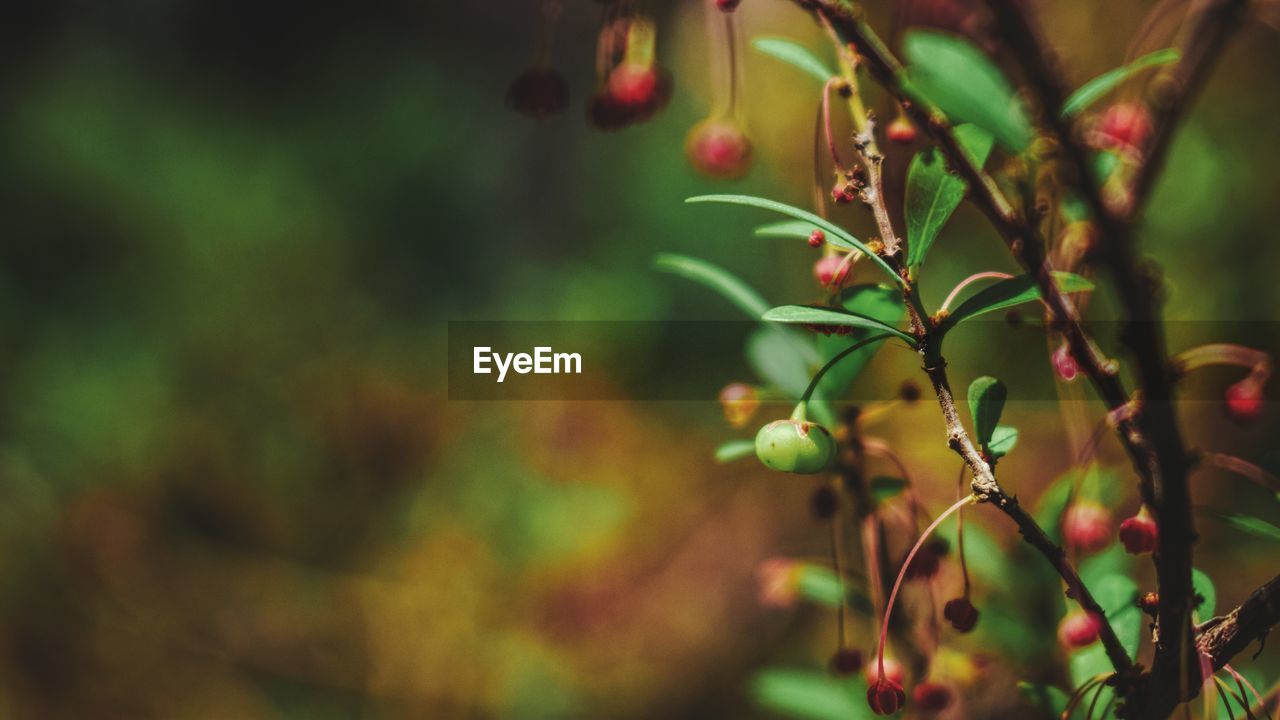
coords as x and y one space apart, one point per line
902 573
799 413
955 291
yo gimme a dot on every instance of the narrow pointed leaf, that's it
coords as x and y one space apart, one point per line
775 358
808 315
794 54
959 78
716 278
835 234
986 402
1251 525
735 450
786 229
1011 292
1100 86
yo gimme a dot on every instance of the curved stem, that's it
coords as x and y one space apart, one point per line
955 291
813 384
897 584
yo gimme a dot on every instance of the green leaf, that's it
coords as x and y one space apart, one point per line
786 229
773 357
1251 525
835 234
963 82
1050 700
1003 439
716 278
934 192
795 54
1203 586
986 402
1098 87
883 487
735 450
809 315
821 585
1011 292
880 302
811 694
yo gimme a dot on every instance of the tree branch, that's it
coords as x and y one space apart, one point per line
1228 635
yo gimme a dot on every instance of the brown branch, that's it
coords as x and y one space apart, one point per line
1228 635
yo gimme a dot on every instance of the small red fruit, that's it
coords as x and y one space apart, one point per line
1244 401
886 697
1078 629
846 661
961 613
931 696
728 5
1126 125
816 238
1086 527
901 131
738 402
844 193
718 147
831 270
927 561
1139 533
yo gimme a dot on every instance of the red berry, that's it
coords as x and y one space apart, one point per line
825 502
1125 125
1139 533
1086 526
846 661
728 5
1064 364
844 193
931 696
719 148
816 238
926 563
632 84
961 613
886 697
831 270
1078 629
1244 401
901 131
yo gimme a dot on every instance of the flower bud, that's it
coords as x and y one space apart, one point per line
637 87
1149 603
1064 364
1244 401
901 131
1124 125
738 402
886 697
796 446
816 238
846 661
1078 629
1139 533
718 148
1086 527
961 613
931 697
831 270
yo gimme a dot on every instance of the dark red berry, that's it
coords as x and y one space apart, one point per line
1149 603
1086 526
886 697
925 564
1064 364
961 613
1244 401
825 502
1125 124
909 391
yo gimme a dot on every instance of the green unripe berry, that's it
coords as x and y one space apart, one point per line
795 446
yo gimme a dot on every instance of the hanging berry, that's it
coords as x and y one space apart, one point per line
1079 629
961 613
1139 533
932 697
796 446
540 90
718 146
1086 526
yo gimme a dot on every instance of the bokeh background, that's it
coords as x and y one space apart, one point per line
232 484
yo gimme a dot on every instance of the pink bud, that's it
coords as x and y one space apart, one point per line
1086 527
1125 124
1139 533
901 131
893 672
1078 629
1244 401
831 270
1064 364
816 238
718 147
